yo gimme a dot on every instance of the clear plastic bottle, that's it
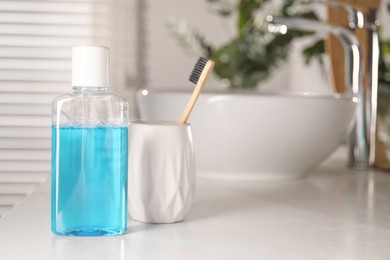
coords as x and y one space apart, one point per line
89 151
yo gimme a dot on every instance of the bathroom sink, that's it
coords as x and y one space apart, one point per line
253 135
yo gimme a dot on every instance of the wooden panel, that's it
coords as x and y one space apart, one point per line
374 4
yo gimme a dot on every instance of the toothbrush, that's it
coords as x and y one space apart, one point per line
198 76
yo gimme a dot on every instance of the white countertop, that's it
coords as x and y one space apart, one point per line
334 213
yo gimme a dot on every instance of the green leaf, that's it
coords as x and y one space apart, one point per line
252 54
315 51
246 9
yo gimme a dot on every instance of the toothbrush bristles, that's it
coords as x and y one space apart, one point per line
197 71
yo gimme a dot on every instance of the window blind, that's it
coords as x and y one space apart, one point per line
35 66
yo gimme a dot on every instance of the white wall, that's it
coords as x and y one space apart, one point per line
168 64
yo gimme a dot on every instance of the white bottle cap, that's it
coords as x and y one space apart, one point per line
90 66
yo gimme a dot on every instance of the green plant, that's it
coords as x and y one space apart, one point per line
384 58
384 77
253 53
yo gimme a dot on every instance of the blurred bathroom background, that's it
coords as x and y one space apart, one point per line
35 61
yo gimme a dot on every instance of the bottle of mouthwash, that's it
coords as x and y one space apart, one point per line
89 151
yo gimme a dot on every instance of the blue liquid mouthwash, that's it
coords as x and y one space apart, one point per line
89 152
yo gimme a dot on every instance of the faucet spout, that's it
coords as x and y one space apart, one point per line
356 18
358 144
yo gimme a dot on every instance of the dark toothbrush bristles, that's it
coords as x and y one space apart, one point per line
197 71
202 69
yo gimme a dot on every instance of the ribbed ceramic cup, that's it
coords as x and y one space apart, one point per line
161 171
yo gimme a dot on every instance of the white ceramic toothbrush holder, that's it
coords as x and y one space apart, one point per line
161 171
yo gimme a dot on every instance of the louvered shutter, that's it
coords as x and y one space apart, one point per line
35 62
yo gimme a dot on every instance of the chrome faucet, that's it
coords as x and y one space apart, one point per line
371 25
358 19
354 67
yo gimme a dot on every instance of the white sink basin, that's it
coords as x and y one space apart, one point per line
256 136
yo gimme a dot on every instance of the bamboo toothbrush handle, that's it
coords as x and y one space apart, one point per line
195 94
